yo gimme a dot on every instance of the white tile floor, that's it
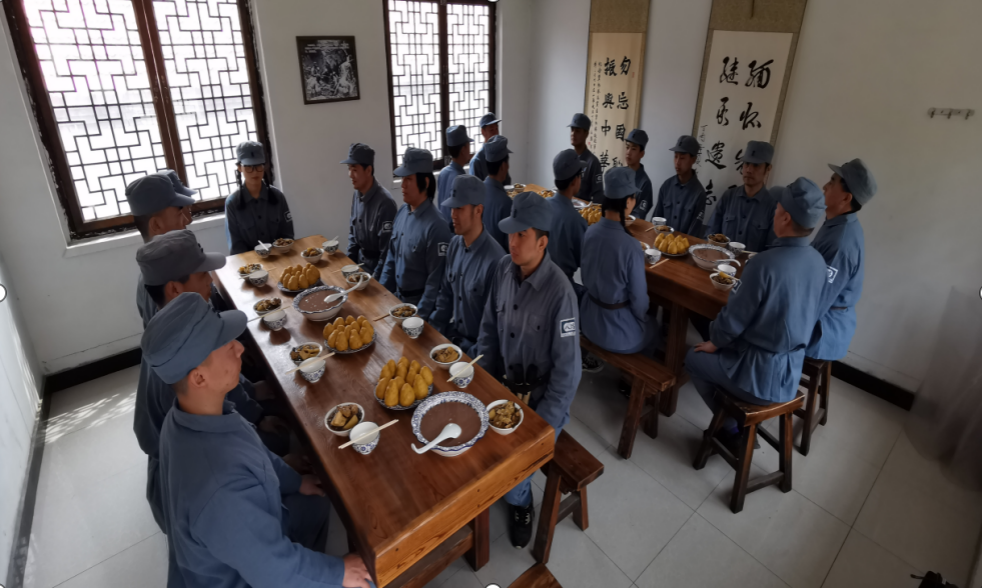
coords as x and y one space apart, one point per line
866 509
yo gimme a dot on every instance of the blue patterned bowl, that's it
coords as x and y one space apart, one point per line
324 292
365 447
313 368
275 320
461 397
258 278
263 252
463 373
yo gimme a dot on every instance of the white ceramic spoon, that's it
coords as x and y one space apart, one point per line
451 431
339 295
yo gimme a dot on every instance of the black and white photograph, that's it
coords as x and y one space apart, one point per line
328 69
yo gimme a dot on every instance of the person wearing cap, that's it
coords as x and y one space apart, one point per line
757 342
682 198
417 253
568 227
236 514
472 259
634 146
745 213
373 210
479 165
614 311
842 245
459 149
497 204
256 211
170 265
592 186
529 334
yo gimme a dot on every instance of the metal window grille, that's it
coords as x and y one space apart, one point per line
441 71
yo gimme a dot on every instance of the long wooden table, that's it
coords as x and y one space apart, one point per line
408 515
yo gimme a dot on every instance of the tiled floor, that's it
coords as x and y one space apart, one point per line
866 509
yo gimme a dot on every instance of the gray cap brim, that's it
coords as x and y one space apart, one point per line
351 161
494 122
181 201
452 202
252 161
212 262
233 324
753 160
185 191
678 149
510 224
402 171
836 169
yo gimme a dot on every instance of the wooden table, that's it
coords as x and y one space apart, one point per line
408 515
682 287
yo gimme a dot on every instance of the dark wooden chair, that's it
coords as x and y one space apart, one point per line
748 417
649 378
572 468
816 375
537 576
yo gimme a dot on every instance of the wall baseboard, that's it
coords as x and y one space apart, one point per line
873 385
91 371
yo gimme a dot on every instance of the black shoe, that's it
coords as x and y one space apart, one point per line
591 364
521 525
624 388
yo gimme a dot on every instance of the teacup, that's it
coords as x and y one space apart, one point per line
262 252
312 369
463 374
657 220
651 256
365 446
350 269
413 326
258 278
727 269
275 320
330 246
737 248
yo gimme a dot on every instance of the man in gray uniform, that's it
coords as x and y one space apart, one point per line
681 198
372 210
471 262
634 146
592 187
529 335
568 227
236 514
497 204
479 165
745 213
417 253
459 149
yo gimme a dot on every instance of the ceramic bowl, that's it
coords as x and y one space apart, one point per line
320 315
283 248
521 418
263 252
313 368
413 326
365 446
320 349
657 220
721 243
258 278
718 286
461 397
460 354
350 269
705 262
737 248
630 220
402 318
265 312
275 320
651 256
330 247
353 280
463 374
312 258
330 416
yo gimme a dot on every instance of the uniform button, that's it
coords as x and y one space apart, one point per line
512 335
515 307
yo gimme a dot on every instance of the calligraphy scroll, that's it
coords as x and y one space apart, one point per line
613 93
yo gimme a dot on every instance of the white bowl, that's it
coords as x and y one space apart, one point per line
737 248
313 258
258 278
330 247
350 269
262 252
694 251
275 320
657 220
461 397
413 326
320 316
463 374
283 248
521 418
718 286
402 318
630 220
444 346
313 369
330 415
364 282
652 256
365 446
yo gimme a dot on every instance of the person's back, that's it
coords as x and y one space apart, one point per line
566 237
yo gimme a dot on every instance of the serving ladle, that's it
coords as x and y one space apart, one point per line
339 295
451 431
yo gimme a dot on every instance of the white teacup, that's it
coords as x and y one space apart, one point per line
330 247
737 248
413 326
657 220
727 269
275 320
651 256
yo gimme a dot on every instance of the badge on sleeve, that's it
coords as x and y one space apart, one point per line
387 227
289 216
567 327
441 249
833 272
599 179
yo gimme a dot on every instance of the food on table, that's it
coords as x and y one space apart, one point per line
722 278
421 388
446 355
441 415
403 311
719 238
345 418
392 394
403 382
311 251
671 243
591 213
407 396
305 351
519 188
358 277
348 333
547 193
298 277
267 305
249 268
505 416
282 242
663 228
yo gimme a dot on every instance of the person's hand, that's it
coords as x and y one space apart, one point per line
310 485
706 347
355 572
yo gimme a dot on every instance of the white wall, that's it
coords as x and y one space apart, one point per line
514 79
864 77
20 382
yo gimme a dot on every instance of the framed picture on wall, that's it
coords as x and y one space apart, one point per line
328 69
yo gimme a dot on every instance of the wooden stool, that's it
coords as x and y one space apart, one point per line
748 416
571 469
537 576
816 375
649 379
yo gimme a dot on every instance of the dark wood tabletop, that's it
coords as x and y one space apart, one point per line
398 507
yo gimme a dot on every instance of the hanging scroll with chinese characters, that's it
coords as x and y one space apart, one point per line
613 93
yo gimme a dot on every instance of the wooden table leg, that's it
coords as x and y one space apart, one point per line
479 555
675 349
629 430
548 517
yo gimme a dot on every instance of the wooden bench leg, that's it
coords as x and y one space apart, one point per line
479 555
581 515
630 429
808 419
651 419
706 449
824 391
784 457
747 437
675 349
548 516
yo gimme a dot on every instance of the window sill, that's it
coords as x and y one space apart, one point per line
131 238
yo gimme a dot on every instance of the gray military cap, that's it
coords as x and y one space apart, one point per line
457 135
175 180
580 121
250 153
686 144
758 152
173 256
415 161
529 210
489 119
466 190
153 193
804 200
360 154
619 182
638 137
496 149
859 180
184 333
567 164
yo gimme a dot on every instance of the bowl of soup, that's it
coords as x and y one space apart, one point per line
311 305
439 410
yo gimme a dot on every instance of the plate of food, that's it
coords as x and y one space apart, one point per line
404 384
505 416
248 268
304 351
280 245
591 213
718 239
312 254
267 305
295 279
343 417
672 244
446 354
349 335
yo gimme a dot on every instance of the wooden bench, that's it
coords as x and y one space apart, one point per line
650 378
572 468
748 416
816 375
537 576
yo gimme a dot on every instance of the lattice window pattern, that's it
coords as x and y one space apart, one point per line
469 64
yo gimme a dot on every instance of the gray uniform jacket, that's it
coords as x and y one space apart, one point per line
372 215
417 254
566 234
682 205
592 178
249 220
745 220
497 205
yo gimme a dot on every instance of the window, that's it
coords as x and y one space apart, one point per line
122 88
441 71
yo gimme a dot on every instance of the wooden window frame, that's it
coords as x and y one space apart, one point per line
30 66
444 69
